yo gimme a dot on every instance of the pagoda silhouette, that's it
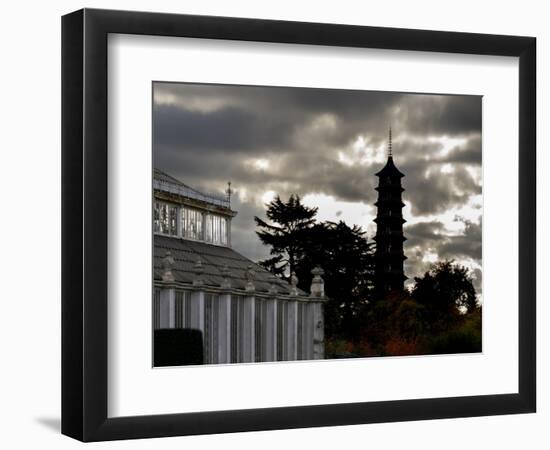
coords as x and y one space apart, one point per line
389 255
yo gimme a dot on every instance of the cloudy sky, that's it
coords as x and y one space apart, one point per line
326 145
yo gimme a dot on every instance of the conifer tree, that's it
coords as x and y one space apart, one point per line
285 234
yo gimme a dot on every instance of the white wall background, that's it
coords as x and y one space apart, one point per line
30 229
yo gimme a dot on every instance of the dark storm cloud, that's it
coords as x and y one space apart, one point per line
331 142
416 114
229 128
432 191
328 176
470 153
290 102
432 237
442 114
424 232
466 245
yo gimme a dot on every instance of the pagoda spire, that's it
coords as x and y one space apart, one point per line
389 146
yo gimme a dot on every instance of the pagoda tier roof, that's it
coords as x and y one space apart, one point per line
390 187
388 219
391 256
388 236
395 201
389 170
395 274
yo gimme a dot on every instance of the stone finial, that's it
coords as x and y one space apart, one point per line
167 266
273 288
293 285
226 283
198 270
250 274
317 283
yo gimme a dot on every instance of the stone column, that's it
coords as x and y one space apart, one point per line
308 331
197 311
167 308
292 320
318 330
224 328
197 299
247 329
248 323
269 323
316 314
224 320
228 231
292 330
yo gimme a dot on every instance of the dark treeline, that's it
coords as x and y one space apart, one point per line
438 315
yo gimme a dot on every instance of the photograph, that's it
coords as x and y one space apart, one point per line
295 223
271 225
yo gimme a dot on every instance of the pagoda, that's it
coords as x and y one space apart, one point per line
389 256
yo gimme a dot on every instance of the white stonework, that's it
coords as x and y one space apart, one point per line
308 334
244 313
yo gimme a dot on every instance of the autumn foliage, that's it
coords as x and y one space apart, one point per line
438 316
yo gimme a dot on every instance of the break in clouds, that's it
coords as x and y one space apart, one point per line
326 146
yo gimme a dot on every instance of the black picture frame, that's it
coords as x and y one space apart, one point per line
84 224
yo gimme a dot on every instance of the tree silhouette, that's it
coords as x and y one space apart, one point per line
347 259
286 234
446 291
